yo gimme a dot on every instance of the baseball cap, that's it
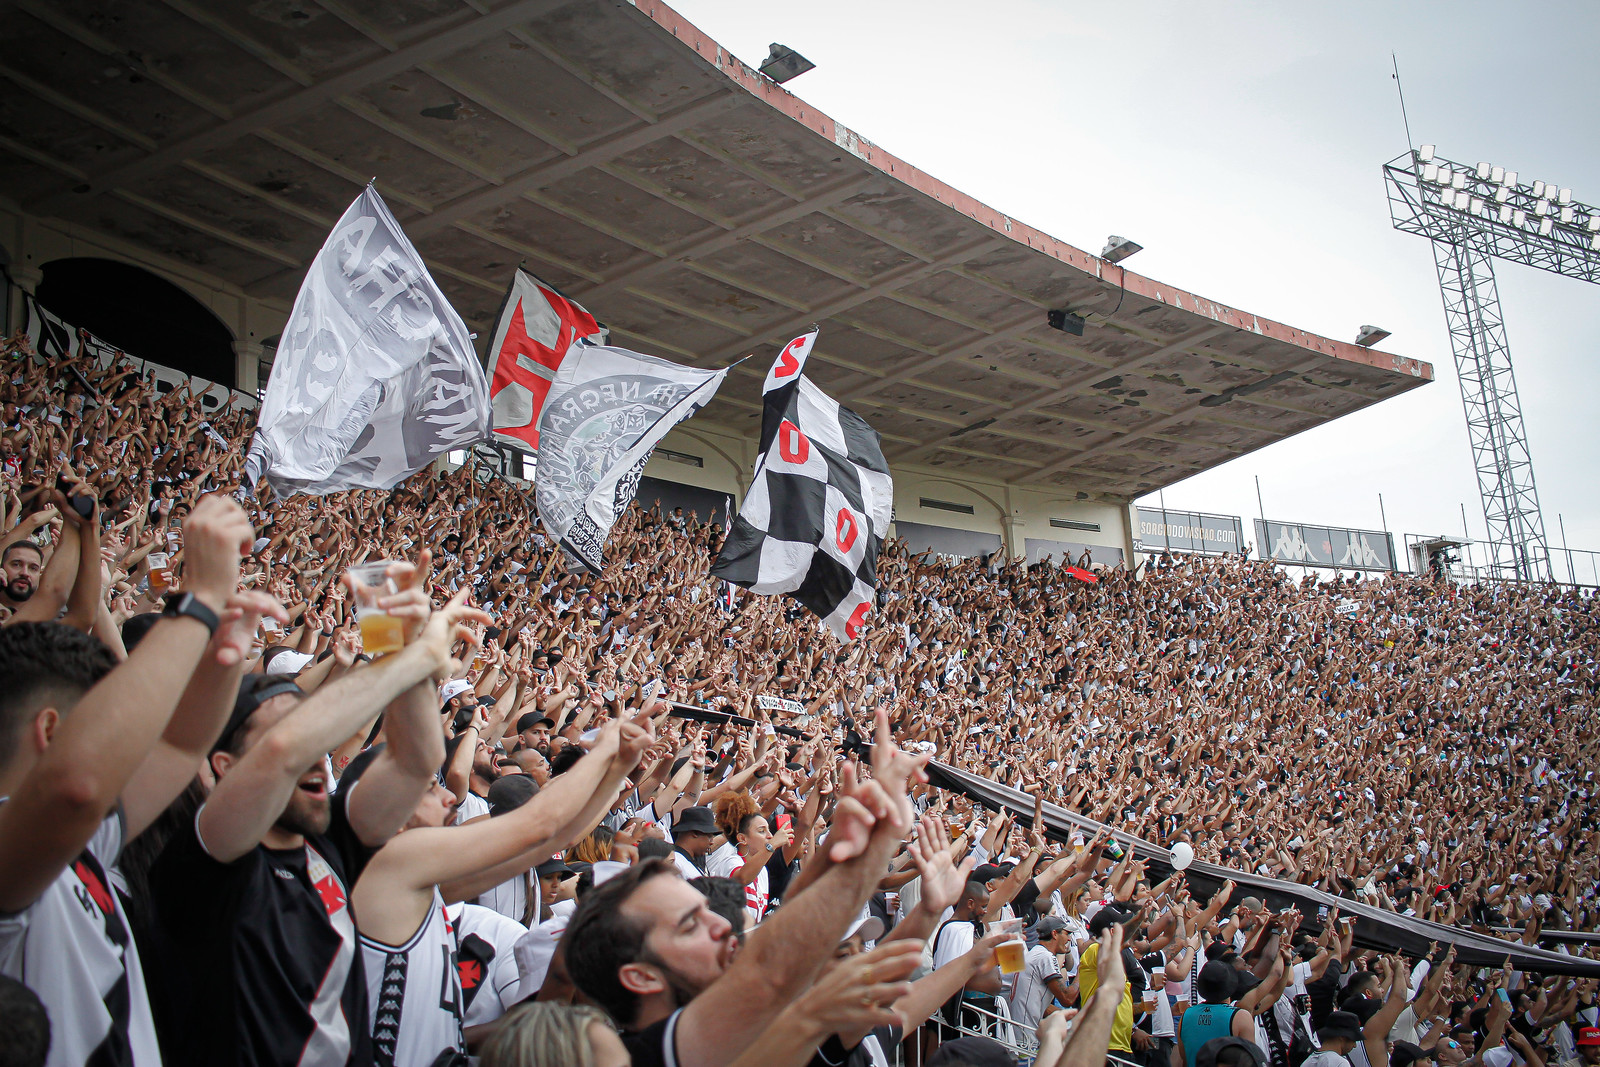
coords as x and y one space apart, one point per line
510 793
1589 1036
530 719
282 660
986 872
869 926
553 866
452 689
254 691
1405 1053
1048 925
1105 917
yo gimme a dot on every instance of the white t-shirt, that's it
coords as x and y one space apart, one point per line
470 807
952 941
73 948
1032 993
755 894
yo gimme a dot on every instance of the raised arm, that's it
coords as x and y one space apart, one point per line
99 746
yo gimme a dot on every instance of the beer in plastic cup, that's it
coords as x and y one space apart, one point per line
160 574
380 631
1009 954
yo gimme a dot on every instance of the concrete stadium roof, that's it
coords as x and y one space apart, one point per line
693 205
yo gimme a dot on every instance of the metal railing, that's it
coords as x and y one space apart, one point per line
1020 1039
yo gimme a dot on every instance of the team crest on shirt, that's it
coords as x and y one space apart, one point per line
325 883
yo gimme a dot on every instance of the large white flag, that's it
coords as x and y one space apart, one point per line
606 410
375 376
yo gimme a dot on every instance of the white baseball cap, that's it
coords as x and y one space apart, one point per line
453 688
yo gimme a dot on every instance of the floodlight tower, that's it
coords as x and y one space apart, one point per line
1475 215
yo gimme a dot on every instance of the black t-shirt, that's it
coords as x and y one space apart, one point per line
832 1052
656 1045
250 950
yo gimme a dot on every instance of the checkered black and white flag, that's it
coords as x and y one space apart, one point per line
819 505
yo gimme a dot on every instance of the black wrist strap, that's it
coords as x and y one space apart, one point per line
187 605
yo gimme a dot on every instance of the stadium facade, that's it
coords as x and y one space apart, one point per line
696 207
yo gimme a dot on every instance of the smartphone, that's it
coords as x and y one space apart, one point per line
785 820
1501 993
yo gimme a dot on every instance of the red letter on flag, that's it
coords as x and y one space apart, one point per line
846 530
858 618
787 364
793 445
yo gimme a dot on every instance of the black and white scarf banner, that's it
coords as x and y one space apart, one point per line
605 412
375 376
1375 927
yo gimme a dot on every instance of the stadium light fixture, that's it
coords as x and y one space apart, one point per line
1118 249
1425 153
784 63
1065 321
1371 335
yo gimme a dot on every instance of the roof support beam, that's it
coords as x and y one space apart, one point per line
1073 386
597 151
451 35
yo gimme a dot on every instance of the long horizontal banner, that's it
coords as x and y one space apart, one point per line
1374 928
1188 531
1324 546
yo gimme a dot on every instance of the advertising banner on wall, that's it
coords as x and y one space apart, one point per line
1188 531
1324 546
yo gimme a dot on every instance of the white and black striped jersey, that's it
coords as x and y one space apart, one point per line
414 994
486 961
73 948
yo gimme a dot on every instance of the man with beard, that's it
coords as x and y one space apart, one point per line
23 563
91 753
260 956
647 948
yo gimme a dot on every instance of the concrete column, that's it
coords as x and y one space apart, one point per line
246 366
1130 523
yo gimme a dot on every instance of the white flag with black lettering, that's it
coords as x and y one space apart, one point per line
375 376
606 410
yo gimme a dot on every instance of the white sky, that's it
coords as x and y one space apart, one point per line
1241 144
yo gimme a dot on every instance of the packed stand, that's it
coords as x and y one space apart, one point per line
237 832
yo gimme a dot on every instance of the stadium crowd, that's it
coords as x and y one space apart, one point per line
232 835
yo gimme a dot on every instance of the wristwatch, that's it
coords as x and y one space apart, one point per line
187 604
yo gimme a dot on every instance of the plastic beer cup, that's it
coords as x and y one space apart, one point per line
1009 953
380 631
160 574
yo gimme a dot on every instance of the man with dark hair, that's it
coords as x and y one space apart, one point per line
261 961
647 947
90 754
692 835
23 563
1214 1016
533 730
954 939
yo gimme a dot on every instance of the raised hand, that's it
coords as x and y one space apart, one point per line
240 619
942 878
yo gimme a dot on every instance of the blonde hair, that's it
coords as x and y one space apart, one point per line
593 848
730 810
544 1034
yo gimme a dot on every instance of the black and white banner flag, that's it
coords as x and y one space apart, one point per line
819 505
605 411
375 376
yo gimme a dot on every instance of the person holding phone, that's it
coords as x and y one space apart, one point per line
756 845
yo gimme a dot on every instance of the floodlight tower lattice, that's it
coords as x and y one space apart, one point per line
1474 215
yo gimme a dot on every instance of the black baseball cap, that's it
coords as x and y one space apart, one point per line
529 719
510 793
553 866
1105 917
254 691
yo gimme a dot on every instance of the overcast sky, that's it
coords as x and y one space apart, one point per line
1241 144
